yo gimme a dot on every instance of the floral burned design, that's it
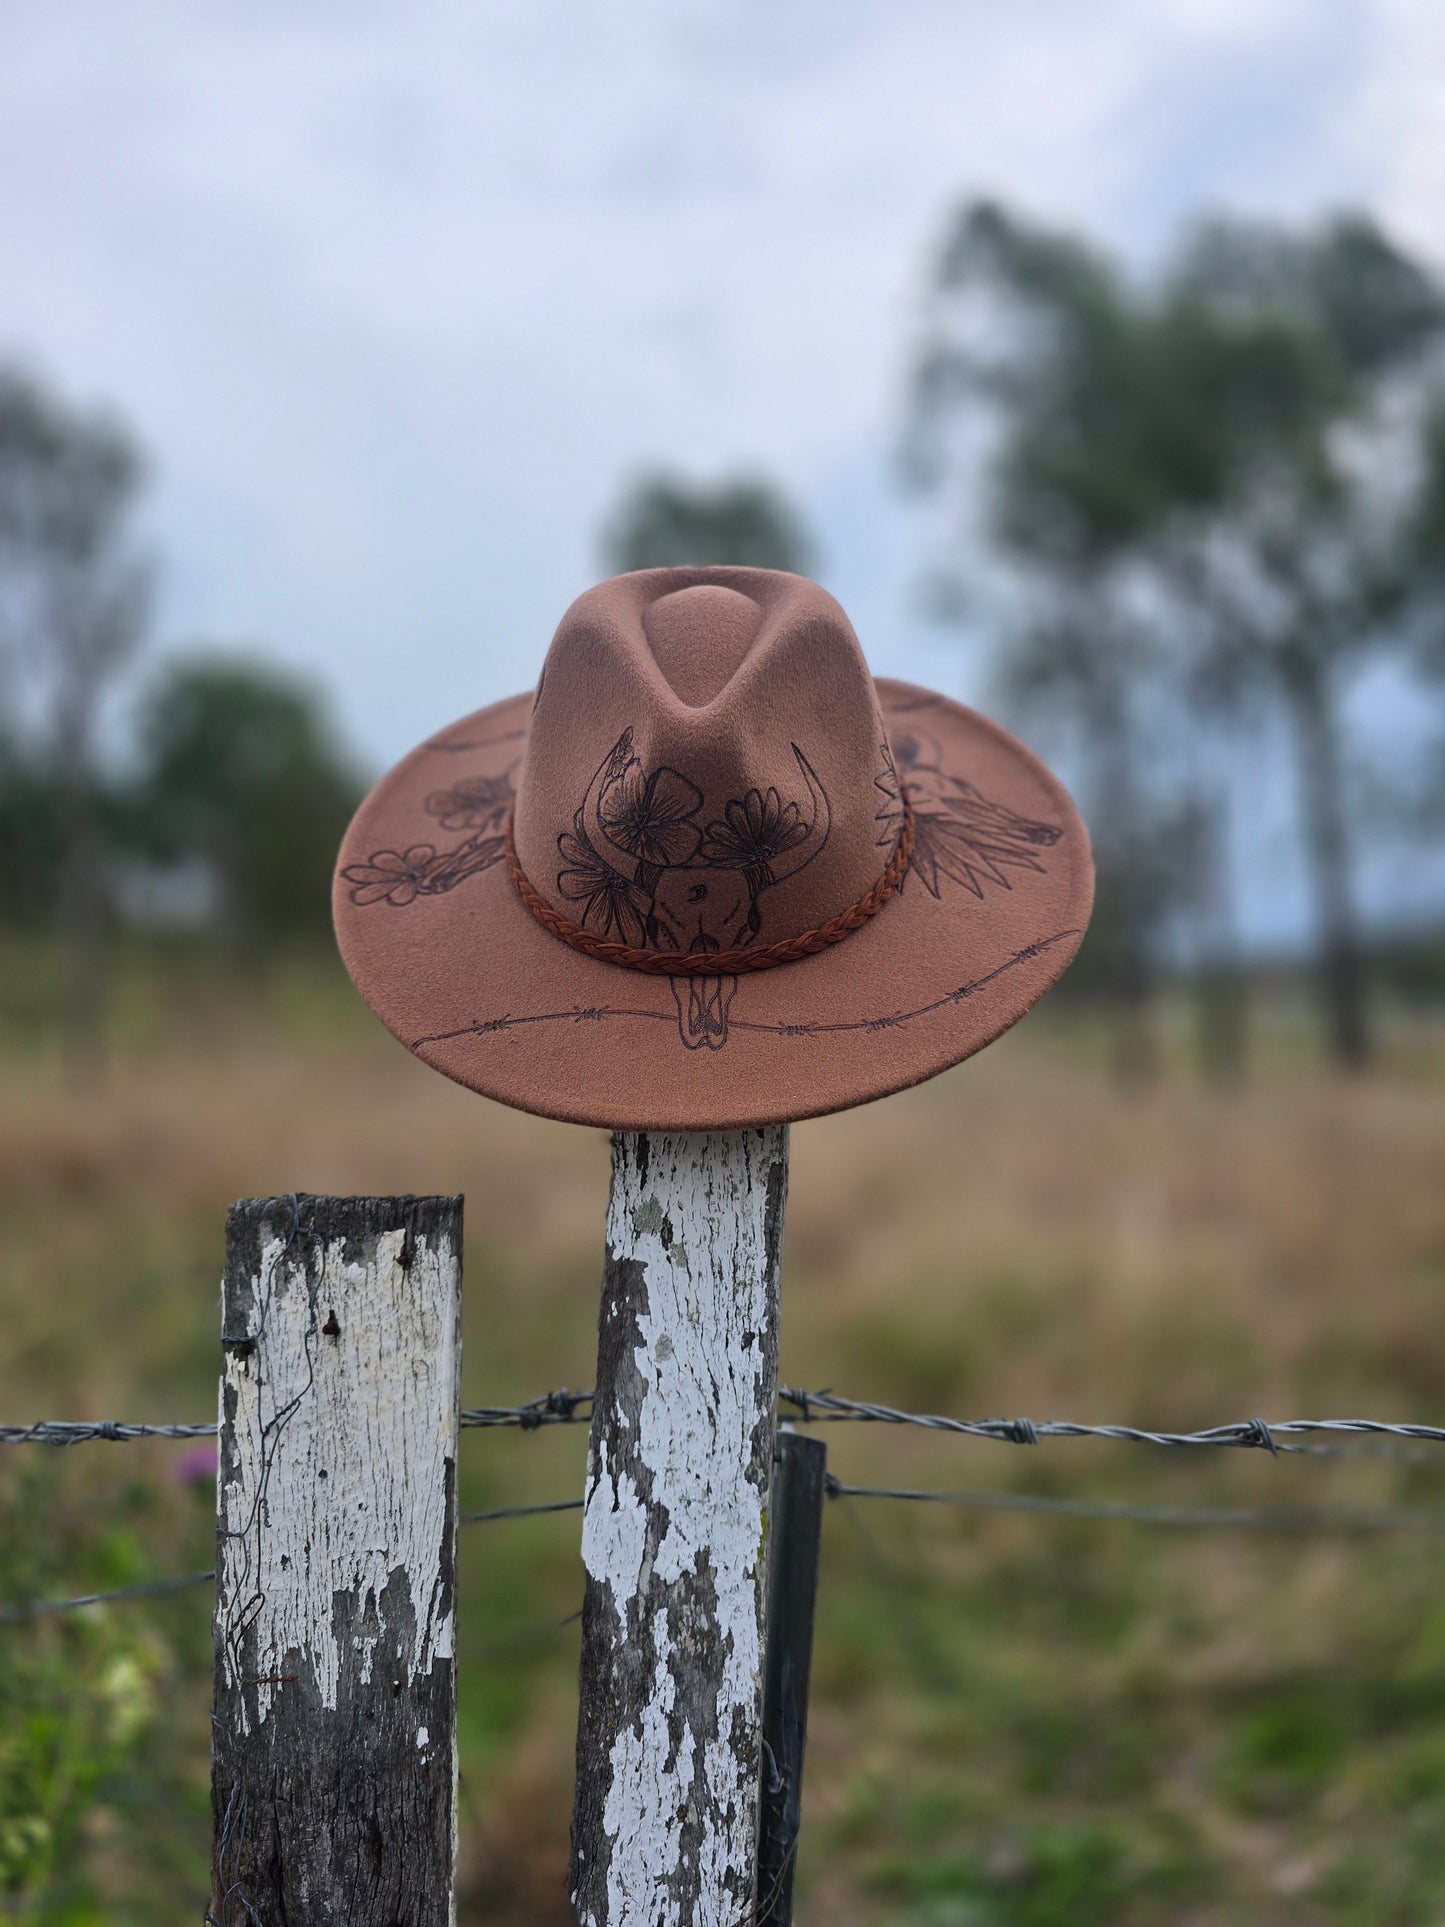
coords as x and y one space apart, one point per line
474 803
646 868
754 834
958 834
391 876
648 872
649 818
612 904
479 804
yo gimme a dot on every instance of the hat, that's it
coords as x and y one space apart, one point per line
709 873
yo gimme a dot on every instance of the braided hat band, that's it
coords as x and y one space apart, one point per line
721 963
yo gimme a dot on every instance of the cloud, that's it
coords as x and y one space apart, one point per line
398 297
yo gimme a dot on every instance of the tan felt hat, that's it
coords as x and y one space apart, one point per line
710 873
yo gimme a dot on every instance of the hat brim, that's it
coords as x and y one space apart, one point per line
440 945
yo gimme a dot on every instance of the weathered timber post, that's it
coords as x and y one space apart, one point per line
795 1533
334 1729
664 1831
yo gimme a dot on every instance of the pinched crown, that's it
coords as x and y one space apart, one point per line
702 762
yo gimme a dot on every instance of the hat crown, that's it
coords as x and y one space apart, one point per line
699 637
706 762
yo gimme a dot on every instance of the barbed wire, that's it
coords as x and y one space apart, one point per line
1258 1433
85 1432
559 1407
563 1407
1263 1519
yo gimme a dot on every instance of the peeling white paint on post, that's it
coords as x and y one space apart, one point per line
664 1830
334 1754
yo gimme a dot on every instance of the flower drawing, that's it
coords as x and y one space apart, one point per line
754 832
613 905
473 803
392 876
649 817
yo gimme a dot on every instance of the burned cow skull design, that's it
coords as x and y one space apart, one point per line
648 874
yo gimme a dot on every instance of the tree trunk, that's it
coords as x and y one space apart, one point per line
1343 989
82 920
1124 887
1221 1004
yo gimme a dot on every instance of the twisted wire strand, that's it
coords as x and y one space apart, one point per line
520 1511
559 1407
1263 1518
23 1609
149 1588
1256 1433
564 1407
83 1432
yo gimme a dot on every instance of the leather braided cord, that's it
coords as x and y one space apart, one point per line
720 963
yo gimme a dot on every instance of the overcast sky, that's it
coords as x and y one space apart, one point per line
399 296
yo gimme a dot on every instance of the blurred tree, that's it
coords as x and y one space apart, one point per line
1189 480
1039 335
241 773
665 522
31 853
1305 565
1426 538
73 598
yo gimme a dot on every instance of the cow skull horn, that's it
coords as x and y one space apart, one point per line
789 864
614 765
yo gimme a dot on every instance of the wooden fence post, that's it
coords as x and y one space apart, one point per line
664 1830
334 1730
795 1534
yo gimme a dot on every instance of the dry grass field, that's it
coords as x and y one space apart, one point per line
1018 1721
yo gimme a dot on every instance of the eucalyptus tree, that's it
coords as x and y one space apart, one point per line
1053 394
667 522
1204 483
1424 802
73 599
1307 567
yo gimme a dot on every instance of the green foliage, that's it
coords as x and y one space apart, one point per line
78 1692
240 772
1123 408
1066 1876
1365 303
1015 1719
31 844
240 782
1284 1749
666 522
